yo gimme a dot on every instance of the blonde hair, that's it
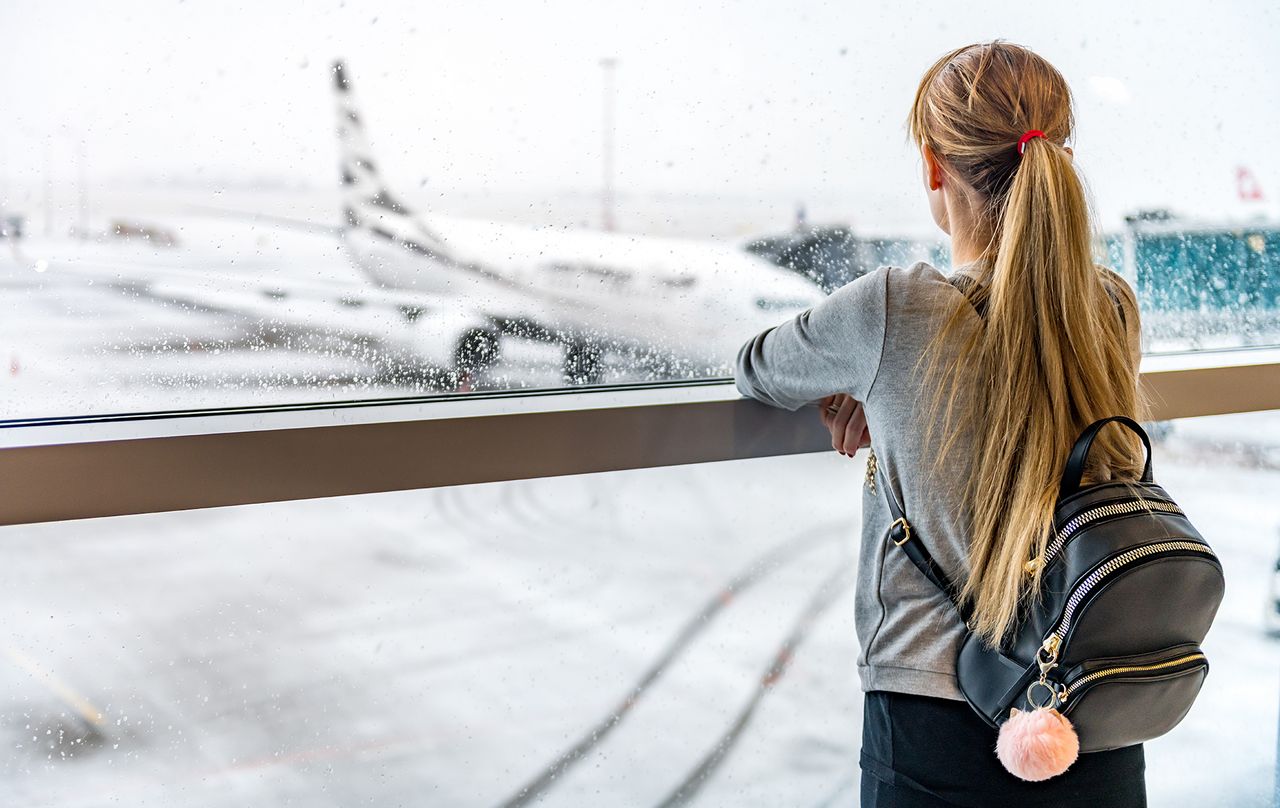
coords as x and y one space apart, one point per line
1053 356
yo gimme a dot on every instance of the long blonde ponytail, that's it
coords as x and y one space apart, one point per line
1052 357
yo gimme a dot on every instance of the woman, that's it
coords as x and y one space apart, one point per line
971 390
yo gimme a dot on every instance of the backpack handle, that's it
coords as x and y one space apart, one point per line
1080 452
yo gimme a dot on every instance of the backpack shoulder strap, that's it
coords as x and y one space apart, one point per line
902 535
965 284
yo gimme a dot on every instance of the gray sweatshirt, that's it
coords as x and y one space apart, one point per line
866 340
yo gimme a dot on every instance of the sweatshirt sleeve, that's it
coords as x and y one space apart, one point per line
834 347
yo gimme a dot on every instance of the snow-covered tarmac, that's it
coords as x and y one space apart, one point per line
449 647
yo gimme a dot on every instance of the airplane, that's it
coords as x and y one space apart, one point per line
448 293
686 302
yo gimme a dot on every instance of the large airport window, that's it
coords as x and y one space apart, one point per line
654 637
208 206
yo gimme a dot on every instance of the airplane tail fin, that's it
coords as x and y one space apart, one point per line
365 196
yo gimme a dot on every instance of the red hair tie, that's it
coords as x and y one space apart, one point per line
1022 141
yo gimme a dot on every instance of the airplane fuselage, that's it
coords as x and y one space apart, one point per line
697 300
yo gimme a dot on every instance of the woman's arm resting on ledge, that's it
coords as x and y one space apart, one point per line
833 347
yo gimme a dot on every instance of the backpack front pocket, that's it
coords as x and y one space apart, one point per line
1128 700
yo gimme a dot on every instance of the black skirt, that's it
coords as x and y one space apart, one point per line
922 752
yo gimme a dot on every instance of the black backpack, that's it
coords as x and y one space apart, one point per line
1128 591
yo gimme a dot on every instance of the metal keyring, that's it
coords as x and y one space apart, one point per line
1053 695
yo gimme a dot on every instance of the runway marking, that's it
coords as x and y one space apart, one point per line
61 689
770 561
827 594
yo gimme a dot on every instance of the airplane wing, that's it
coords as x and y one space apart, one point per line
426 327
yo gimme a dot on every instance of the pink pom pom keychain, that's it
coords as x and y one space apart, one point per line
1039 743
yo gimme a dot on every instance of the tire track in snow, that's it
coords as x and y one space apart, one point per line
755 571
828 593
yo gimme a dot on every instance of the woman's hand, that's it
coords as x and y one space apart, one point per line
847 422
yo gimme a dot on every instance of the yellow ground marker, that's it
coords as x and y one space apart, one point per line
61 689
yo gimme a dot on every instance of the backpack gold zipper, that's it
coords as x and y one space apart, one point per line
1100 674
1102 511
1120 561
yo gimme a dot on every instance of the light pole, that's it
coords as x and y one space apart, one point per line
82 176
609 65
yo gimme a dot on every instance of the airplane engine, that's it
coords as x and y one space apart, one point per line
476 350
462 342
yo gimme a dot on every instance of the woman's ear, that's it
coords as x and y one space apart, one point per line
932 170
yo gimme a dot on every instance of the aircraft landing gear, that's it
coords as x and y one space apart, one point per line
583 363
477 350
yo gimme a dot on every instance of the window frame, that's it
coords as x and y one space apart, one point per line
56 469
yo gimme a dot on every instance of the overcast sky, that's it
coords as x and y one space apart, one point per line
750 99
